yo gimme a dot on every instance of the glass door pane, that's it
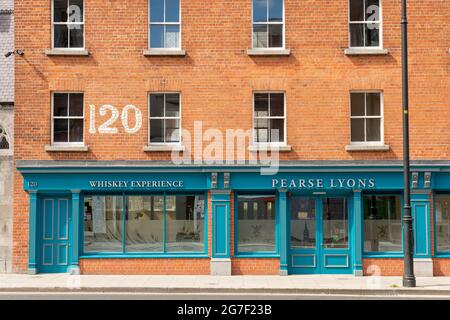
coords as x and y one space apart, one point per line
303 222
335 223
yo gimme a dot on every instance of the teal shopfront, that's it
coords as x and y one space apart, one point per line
314 217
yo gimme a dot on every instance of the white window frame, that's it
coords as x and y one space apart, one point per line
283 23
75 144
164 118
164 24
381 117
380 46
68 32
254 135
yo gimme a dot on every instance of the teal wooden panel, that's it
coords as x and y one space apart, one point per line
303 261
336 260
420 214
63 219
47 254
220 230
49 216
63 250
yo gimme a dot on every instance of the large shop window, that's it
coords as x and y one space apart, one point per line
153 224
164 24
256 224
68 24
382 223
365 23
268 26
443 223
68 118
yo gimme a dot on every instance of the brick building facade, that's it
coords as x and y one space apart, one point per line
105 88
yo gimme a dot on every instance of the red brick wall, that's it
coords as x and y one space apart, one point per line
441 267
145 266
255 266
216 79
383 267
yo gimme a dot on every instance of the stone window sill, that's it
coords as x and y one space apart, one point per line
68 148
268 52
67 52
365 51
265 148
164 52
163 148
367 147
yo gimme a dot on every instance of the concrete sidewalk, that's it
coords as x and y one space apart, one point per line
308 284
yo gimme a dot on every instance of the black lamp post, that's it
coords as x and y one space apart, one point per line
409 279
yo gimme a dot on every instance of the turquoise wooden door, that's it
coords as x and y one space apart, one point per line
54 235
319 235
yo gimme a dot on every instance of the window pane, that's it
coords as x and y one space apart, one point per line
172 105
303 222
262 130
76 130
60 10
372 35
259 36
276 36
382 224
172 10
372 10
335 223
76 36
76 11
185 223
277 130
144 224
172 130
357 34
156 10
60 130
357 104
60 102
259 10
276 10
76 104
261 104
373 104
172 39
357 130
443 223
156 130
276 104
256 224
61 39
156 105
156 36
103 224
357 10
373 129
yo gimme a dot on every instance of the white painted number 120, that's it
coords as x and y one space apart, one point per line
108 126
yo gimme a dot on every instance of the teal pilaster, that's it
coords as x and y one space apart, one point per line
32 241
75 243
420 211
221 223
357 233
283 231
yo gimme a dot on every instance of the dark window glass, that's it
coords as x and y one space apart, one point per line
277 130
172 130
157 36
276 36
156 130
357 10
443 223
260 36
76 11
185 223
382 224
277 105
145 224
60 104
357 34
261 104
373 129
256 223
61 36
373 104
335 223
76 130
372 35
372 10
303 222
60 130
259 10
157 10
76 36
157 105
172 10
103 223
358 104
4 143
357 127
172 105
76 104
60 10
